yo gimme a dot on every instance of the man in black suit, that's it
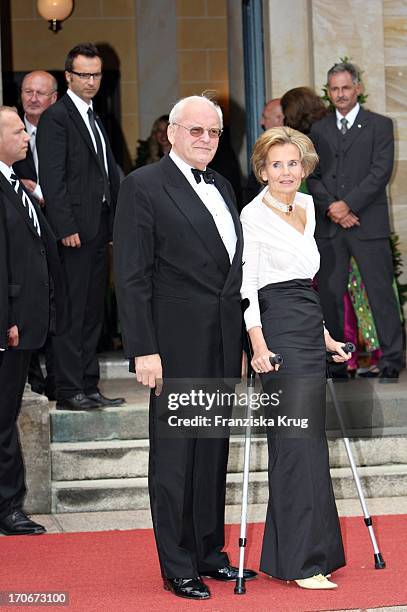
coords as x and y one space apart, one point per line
3 287
178 259
38 92
356 152
35 306
79 180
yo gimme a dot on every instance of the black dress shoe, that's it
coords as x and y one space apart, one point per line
389 375
105 401
229 574
18 523
189 588
80 401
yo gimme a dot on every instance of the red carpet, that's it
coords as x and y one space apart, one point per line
117 571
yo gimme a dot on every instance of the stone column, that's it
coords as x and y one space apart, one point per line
288 45
352 28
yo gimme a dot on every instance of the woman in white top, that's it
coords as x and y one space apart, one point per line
302 538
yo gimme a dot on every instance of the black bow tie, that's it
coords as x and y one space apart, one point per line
207 175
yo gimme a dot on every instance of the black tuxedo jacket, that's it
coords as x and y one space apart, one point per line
355 168
178 294
34 275
25 168
71 176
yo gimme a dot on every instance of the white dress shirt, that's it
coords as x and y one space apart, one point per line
83 108
215 204
350 117
32 132
26 202
275 251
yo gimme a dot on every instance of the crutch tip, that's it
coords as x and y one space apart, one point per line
240 588
379 562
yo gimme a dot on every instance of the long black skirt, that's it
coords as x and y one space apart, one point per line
302 534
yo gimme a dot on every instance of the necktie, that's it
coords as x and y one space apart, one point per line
344 127
99 151
207 175
26 202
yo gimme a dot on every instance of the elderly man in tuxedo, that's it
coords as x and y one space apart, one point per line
80 181
35 306
178 261
356 153
38 92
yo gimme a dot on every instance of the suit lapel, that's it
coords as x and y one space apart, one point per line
80 124
30 163
15 199
192 207
359 125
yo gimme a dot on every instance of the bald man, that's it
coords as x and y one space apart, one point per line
38 92
272 115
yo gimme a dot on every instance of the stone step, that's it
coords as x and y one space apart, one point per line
129 458
113 365
364 405
132 493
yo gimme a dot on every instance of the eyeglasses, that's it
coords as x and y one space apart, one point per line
40 94
197 131
86 76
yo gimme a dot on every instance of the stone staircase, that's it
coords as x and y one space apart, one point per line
99 460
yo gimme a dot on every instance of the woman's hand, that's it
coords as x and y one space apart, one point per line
336 347
261 354
261 361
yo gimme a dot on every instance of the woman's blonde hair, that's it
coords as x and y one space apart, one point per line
282 136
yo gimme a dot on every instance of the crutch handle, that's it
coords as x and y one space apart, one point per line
277 359
348 347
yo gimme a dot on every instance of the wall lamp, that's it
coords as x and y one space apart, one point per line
55 11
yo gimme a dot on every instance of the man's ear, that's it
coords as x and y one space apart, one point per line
68 77
171 133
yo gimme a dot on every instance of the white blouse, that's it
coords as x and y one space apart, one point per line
275 251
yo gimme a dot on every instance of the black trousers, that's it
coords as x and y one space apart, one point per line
187 485
85 268
13 374
375 263
38 382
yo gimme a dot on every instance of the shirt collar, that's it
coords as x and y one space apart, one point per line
183 166
350 117
29 127
6 170
80 104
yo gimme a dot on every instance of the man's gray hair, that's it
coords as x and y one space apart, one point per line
177 109
345 67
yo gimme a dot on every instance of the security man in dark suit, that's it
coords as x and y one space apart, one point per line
35 306
79 180
178 269
38 92
356 153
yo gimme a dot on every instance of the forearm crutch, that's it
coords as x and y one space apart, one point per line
240 588
379 562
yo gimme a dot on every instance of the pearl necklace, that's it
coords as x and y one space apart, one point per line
273 203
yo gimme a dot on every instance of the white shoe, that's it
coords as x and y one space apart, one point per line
316 582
